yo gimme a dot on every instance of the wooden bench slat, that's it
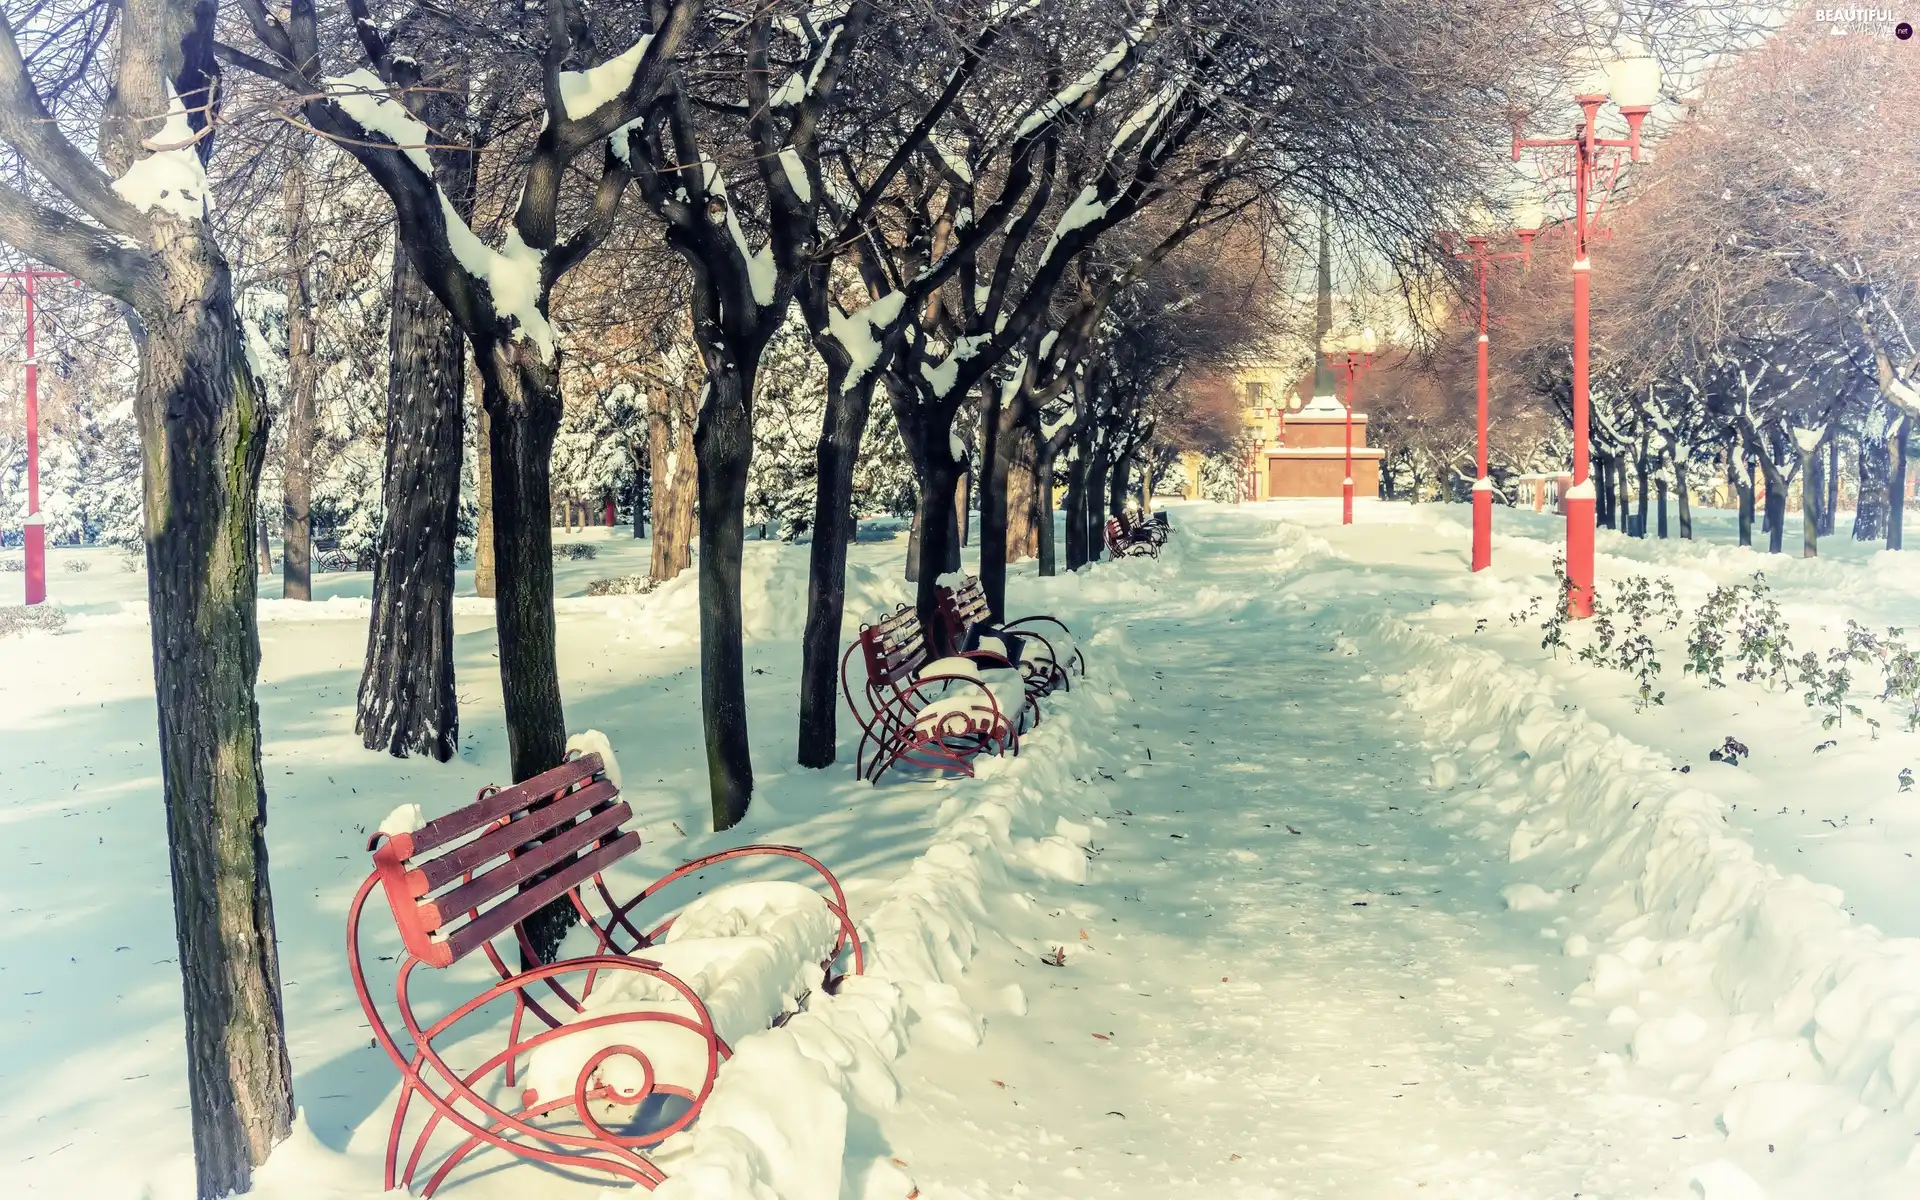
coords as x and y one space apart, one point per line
508 913
436 873
457 824
556 851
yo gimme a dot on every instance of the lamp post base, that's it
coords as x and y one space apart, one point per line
1346 502
1579 511
35 536
1482 527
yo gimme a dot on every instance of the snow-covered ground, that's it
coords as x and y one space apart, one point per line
1353 890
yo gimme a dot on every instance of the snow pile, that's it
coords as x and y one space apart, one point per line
1748 989
594 742
581 92
172 178
750 952
777 1123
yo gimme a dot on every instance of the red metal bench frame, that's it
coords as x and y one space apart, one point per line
963 607
894 694
475 874
1127 541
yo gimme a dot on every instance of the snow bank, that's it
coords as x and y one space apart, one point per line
1739 986
777 1123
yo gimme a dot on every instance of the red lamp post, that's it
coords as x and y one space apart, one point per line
1634 85
1476 252
34 534
1351 356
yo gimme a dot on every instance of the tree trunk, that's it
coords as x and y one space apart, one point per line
834 527
1660 491
1830 506
674 468
1813 488
724 441
1623 492
266 546
1897 482
407 703
1870 505
1079 551
203 437
1099 467
962 515
522 398
1000 421
1640 502
1023 496
296 537
1046 549
1600 471
940 481
1118 477
1743 485
1683 497
483 575
523 412
1776 506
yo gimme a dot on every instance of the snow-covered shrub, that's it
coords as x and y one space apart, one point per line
1707 641
1764 650
576 551
12 563
1902 679
19 618
623 585
78 566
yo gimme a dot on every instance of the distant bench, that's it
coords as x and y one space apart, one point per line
1127 538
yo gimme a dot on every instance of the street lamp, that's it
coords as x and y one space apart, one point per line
1349 356
1527 220
1633 83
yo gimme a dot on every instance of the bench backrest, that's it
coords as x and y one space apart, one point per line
1116 532
895 647
964 607
463 879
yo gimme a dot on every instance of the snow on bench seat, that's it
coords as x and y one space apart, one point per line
750 951
1008 688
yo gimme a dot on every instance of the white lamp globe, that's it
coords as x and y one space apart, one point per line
1634 80
1528 213
1591 80
1367 340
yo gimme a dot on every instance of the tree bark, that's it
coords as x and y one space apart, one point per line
296 538
1743 486
1830 506
940 482
1600 471
724 441
407 703
1683 497
1813 488
1079 551
1098 467
1870 505
1001 422
1660 491
203 438
483 574
1897 482
1023 496
266 546
1118 477
674 468
1640 501
834 526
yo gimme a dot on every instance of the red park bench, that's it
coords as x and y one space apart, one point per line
936 713
1045 659
626 1027
1127 538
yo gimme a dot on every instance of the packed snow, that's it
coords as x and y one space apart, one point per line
1327 880
171 178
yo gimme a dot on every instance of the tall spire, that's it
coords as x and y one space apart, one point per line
1324 383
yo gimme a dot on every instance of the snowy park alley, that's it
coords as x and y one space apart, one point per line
1349 890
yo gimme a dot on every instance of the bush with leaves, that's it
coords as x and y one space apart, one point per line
1764 649
1707 640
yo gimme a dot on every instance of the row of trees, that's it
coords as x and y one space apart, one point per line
1754 304
996 215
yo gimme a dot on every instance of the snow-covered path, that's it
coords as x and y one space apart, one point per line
1291 972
